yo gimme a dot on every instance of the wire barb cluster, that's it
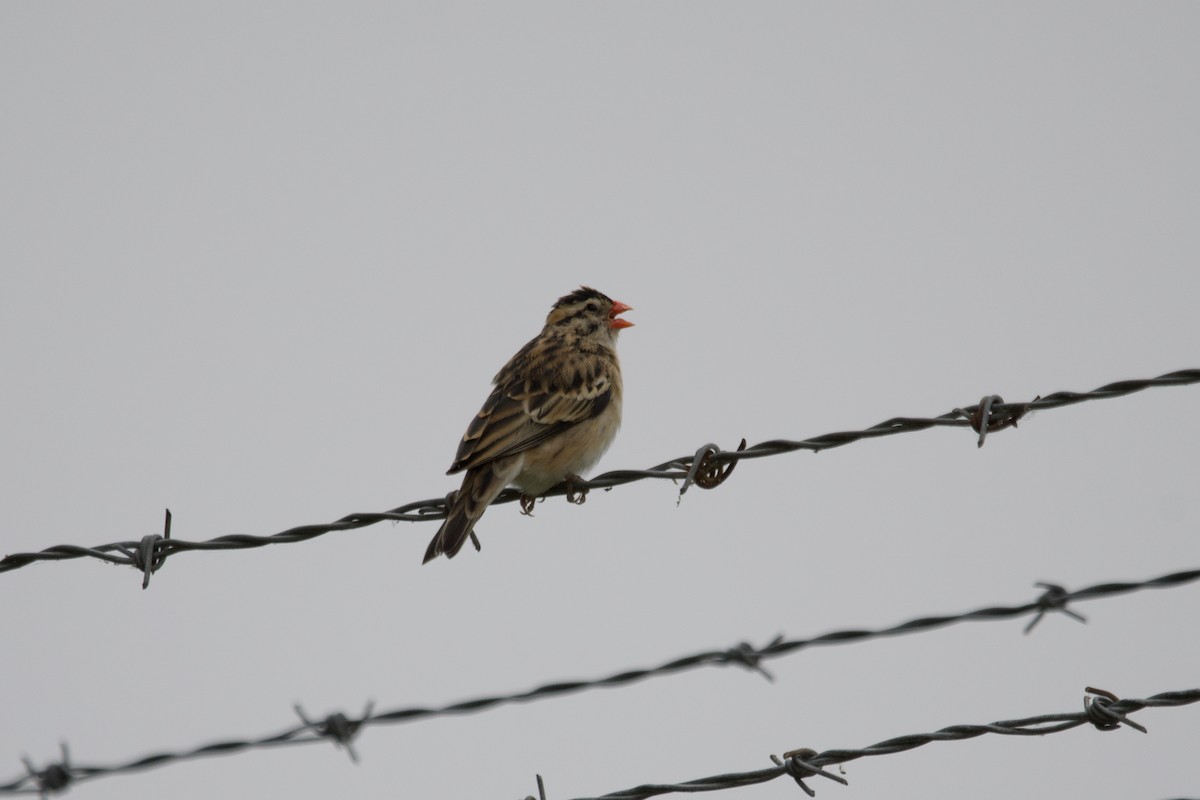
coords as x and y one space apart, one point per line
708 467
1055 598
1102 709
338 727
1098 707
799 769
53 777
986 418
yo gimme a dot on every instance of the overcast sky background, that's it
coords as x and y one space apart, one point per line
260 261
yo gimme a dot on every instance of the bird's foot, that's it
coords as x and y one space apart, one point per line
527 501
577 498
475 541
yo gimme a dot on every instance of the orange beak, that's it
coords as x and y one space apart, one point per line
619 308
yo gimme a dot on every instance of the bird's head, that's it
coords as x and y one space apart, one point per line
589 313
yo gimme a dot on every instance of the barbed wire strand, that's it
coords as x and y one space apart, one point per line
1102 709
708 467
342 729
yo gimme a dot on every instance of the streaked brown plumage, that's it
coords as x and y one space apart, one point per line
555 410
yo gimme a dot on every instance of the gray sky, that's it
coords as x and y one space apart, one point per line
260 261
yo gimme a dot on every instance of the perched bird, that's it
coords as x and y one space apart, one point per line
555 410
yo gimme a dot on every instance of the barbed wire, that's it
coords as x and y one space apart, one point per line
1102 709
342 730
708 467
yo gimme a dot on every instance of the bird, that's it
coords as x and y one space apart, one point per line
553 412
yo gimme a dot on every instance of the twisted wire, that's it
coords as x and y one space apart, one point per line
797 764
702 468
808 764
342 729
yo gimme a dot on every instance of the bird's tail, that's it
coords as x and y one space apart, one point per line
479 488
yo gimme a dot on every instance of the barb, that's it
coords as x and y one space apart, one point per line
148 557
53 778
1099 708
541 790
706 474
707 467
338 727
806 763
1055 598
342 730
986 418
793 764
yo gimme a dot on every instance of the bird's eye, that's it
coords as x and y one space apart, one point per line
592 307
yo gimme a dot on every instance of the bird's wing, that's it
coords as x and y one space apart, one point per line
521 414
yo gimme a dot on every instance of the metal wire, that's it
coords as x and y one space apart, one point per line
1099 707
1102 709
702 468
342 730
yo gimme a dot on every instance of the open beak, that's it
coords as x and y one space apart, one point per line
619 308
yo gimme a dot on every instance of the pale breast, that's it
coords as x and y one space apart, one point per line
573 452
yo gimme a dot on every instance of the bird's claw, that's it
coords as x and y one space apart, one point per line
527 501
577 498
